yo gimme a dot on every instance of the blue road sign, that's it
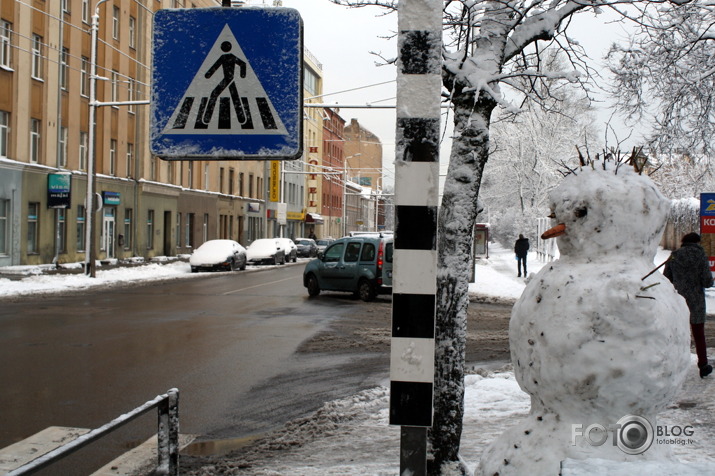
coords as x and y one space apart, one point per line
227 84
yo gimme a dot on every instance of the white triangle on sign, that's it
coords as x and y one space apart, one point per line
225 97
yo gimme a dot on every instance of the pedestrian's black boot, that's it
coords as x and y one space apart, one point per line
706 370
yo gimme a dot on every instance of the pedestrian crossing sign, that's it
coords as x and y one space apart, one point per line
227 84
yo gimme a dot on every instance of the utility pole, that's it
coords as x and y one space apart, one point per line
419 68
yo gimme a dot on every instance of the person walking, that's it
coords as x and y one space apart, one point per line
521 249
688 268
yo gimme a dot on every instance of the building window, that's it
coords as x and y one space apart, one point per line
170 172
83 150
178 230
220 179
132 32
231 173
61 231
34 140
190 174
128 215
62 148
85 11
115 85
206 176
205 228
80 227
4 220
5 44
66 6
150 230
250 185
131 85
310 81
130 159
33 210
112 157
64 68
240 184
84 77
4 132
189 234
37 56
115 23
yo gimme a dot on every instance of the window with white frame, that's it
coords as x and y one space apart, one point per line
132 32
81 212
4 223
178 230
115 23
61 231
37 56
115 86
130 159
150 230
5 44
206 177
64 68
84 77
33 210
112 157
85 11
4 132
128 215
66 6
62 148
83 137
190 174
35 140
131 85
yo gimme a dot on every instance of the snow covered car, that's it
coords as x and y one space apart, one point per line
361 265
215 255
290 249
306 247
266 251
323 243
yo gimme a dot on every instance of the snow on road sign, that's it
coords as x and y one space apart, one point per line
226 79
227 84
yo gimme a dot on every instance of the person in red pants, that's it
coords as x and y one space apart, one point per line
688 269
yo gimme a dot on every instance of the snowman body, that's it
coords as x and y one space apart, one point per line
592 342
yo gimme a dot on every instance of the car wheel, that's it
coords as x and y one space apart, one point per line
275 259
295 258
284 260
232 265
243 266
366 290
312 285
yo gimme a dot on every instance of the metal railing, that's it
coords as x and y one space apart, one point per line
167 435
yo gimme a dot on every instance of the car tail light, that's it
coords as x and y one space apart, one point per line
380 262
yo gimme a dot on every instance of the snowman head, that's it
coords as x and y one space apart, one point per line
607 211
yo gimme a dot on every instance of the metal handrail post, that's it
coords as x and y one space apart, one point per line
168 435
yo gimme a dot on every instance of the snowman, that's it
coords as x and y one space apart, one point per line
600 350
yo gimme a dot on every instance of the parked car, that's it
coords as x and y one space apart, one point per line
360 264
323 243
290 249
306 247
227 255
266 251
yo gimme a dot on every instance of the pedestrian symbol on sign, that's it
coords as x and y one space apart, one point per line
243 105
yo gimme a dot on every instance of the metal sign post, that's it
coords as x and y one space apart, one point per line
416 199
227 84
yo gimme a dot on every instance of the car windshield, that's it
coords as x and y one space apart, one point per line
323 242
216 246
303 242
263 245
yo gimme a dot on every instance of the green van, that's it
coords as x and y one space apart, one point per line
358 264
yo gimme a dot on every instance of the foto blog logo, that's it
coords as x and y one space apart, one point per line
632 434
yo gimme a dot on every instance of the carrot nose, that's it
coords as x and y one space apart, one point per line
558 230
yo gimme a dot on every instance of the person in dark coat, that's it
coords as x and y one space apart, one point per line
521 248
688 268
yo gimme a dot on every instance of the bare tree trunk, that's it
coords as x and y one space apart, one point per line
469 154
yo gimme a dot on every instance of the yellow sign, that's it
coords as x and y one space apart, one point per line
275 181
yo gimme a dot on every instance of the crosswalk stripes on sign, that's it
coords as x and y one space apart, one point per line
225 96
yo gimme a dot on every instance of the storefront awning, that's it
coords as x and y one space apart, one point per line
313 218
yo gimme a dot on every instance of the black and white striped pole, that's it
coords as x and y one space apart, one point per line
419 80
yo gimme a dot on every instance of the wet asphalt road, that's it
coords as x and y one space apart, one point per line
226 340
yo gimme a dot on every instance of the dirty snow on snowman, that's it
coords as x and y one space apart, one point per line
592 342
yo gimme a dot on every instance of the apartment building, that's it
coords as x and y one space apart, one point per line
148 207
